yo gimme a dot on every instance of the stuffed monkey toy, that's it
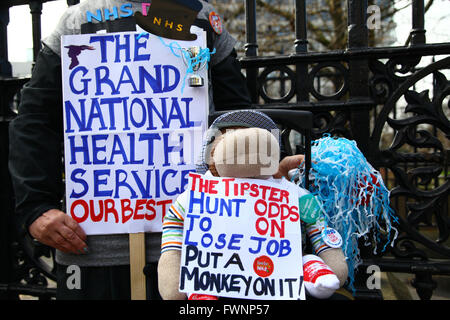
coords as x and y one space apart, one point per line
323 273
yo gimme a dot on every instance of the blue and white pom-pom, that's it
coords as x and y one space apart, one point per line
354 197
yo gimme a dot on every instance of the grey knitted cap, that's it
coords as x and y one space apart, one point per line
238 118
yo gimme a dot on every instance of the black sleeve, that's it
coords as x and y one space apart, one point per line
35 159
229 86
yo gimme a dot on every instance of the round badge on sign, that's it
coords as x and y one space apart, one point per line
331 237
215 22
263 266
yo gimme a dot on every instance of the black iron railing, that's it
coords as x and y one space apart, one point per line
365 107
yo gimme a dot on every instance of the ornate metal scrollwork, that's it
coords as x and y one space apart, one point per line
333 122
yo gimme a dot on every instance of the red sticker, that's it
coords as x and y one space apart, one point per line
215 22
263 266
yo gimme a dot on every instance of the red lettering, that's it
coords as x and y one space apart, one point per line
244 187
294 212
258 204
139 206
212 186
99 217
285 208
109 208
164 204
264 190
150 207
227 185
194 177
274 225
203 185
260 230
125 205
274 194
273 214
284 196
254 190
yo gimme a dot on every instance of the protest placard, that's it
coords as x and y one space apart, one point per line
132 128
241 239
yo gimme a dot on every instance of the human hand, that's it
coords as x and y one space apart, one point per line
56 229
288 163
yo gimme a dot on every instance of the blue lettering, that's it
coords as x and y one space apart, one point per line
150 138
118 149
272 247
109 14
73 177
103 45
185 179
98 182
71 111
187 101
125 47
127 10
285 248
187 240
208 224
210 240
103 80
84 71
154 82
133 150
96 149
175 113
169 149
84 149
221 242
259 241
238 203
152 108
193 201
96 112
216 204
173 173
123 183
138 45
143 112
122 80
145 191
167 86
111 102
235 239
98 16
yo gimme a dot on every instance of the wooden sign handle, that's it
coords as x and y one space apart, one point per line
137 264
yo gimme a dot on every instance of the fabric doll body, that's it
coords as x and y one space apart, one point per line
320 280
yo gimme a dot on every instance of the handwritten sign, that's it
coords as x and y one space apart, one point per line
242 239
131 133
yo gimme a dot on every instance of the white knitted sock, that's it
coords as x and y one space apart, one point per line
320 280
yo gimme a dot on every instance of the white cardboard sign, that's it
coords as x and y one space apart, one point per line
242 239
